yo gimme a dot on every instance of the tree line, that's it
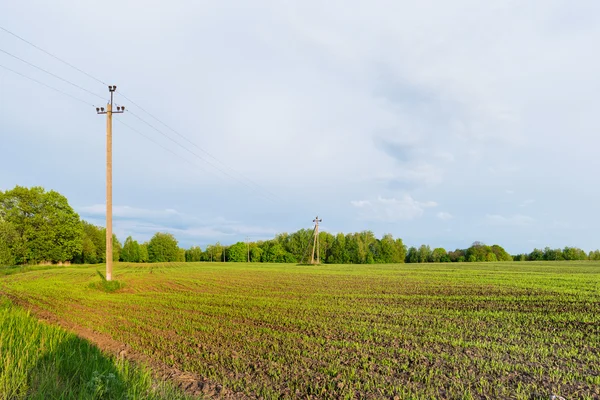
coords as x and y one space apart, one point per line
39 226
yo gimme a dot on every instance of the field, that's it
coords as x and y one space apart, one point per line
414 331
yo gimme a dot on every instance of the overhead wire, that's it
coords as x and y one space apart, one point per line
52 74
198 147
157 143
265 193
196 155
53 56
48 86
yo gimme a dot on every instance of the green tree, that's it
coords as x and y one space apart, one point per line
8 239
194 254
255 254
500 253
47 228
144 257
130 251
338 250
536 255
412 256
238 252
424 253
439 255
163 247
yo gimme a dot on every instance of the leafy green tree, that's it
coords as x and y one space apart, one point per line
238 252
439 255
163 247
338 250
93 244
412 256
130 251
194 254
144 256
181 255
536 255
255 254
8 239
424 254
500 253
574 253
594 255
47 228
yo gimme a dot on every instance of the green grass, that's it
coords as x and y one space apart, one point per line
416 331
39 361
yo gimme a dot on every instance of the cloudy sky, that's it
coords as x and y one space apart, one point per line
439 122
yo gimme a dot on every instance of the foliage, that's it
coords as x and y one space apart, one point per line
130 251
163 247
46 227
8 239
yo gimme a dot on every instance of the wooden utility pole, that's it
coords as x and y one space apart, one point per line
316 242
109 243
248 247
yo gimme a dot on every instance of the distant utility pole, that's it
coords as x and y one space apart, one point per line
109 243
316 242
224 254
248 247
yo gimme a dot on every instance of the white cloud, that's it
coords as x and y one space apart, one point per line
392 209
444 215
360 203
127 211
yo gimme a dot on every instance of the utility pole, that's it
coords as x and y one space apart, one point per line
316 242
248 247
109 112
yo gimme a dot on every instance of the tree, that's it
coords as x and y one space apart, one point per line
93 245
412 256
574 253
8 239
130 251
424 254
194 254
536 255
439 255
389 250
238 252
500 253
144 257
163 247
47 228
338 250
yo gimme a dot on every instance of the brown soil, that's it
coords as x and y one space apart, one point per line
189 383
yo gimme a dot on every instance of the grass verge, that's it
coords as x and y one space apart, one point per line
39 361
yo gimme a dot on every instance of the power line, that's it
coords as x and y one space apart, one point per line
199 148
52 74
196 154
257 186
157 143
48 86
52 55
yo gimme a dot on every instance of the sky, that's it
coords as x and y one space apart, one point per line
442 123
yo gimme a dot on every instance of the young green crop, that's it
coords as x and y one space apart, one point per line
39 361
493 330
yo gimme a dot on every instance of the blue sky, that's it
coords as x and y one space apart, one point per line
440 122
